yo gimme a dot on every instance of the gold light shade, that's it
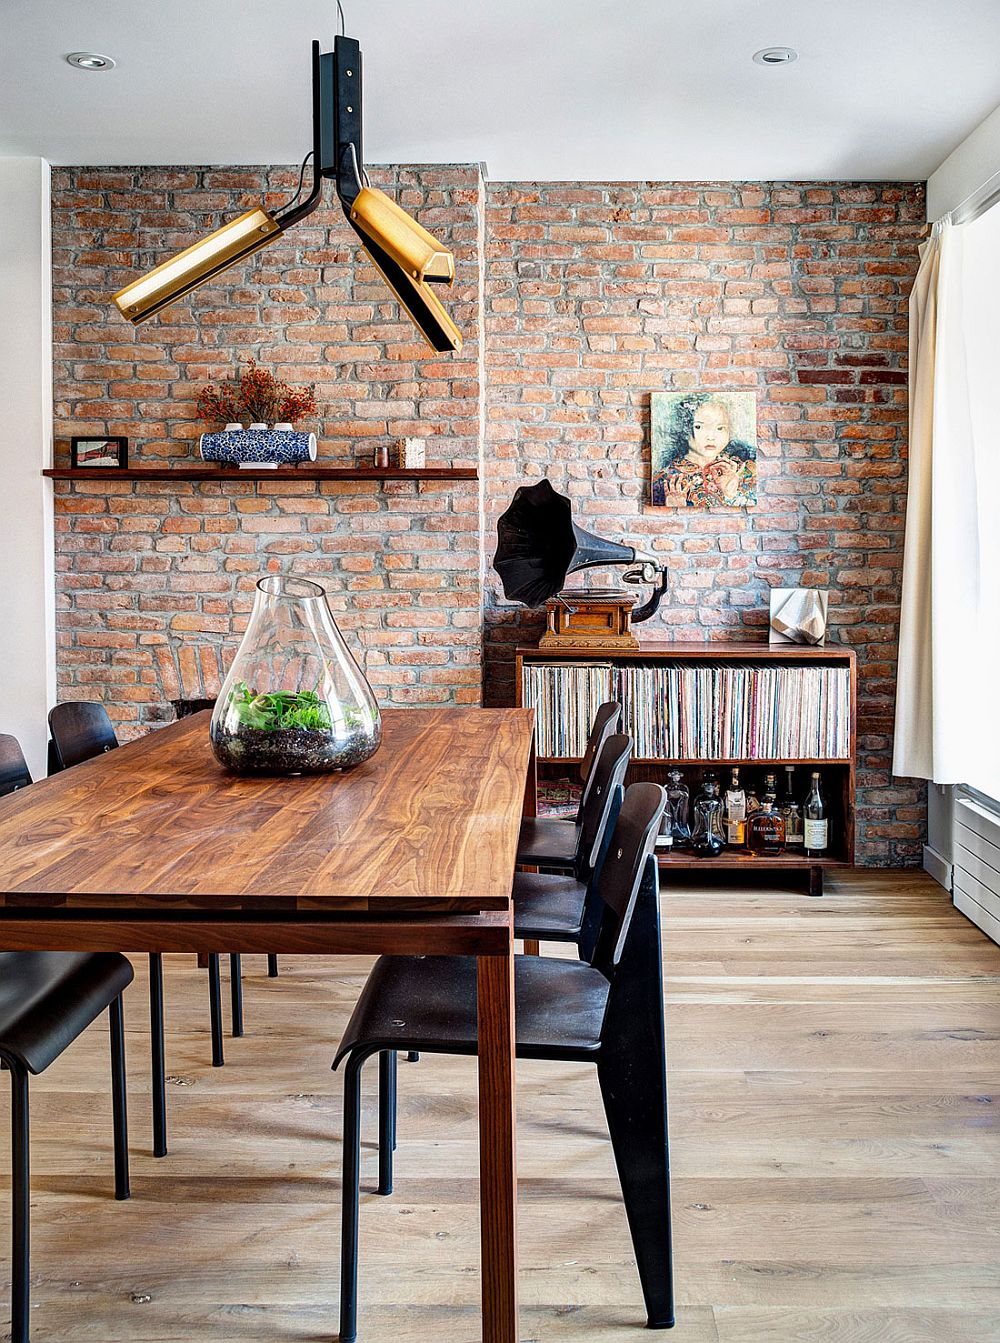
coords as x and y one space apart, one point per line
376 216
188 269
423 306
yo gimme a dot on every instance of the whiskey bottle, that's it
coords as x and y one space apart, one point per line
770 793
791 813
815 822
766 831
735 814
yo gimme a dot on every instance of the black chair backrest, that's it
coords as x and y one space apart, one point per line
14 772
605 722
80 731
607 775
632 845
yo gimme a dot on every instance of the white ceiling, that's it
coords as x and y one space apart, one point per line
538 89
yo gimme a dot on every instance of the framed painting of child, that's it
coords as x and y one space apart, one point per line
703 449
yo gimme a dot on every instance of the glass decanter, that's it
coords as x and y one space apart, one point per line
295 701
677 813
707 838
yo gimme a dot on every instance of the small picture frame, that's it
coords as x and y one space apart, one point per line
107 453
411 453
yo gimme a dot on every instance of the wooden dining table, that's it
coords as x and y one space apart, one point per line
154 847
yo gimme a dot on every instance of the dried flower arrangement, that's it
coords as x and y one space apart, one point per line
253 395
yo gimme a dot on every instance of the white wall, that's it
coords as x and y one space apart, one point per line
966 169
27 640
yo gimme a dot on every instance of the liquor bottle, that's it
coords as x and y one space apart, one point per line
770 793
753 801
735 812
766 831
816 823
791 813
678 807
707 838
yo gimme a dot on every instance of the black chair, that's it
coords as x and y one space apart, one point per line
14 772
555 906
608 1011
47 999
79 731
546 841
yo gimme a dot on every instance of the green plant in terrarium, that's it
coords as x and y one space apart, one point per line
280 710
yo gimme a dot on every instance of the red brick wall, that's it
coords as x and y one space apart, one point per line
597 295
594 297
154 581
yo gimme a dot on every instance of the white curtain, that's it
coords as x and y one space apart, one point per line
946 715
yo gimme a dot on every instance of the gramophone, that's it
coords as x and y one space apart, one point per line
539 544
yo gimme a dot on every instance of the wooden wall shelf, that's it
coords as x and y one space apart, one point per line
310 472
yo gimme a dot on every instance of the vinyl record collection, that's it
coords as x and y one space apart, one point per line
704 712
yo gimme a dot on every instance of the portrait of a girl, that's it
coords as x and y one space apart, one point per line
704 449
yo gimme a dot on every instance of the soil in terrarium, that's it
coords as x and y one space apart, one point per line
288 733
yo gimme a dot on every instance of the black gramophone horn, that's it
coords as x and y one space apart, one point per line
538 544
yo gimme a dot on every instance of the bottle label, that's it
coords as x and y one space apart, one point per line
736 806
815 835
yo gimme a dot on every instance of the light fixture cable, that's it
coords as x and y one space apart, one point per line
343 23
302 177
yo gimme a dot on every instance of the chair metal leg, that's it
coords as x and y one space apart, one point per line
215 1009
632 1071
386 1118
236 994
272 967
159 1079
21 1227
119 1101
350 1201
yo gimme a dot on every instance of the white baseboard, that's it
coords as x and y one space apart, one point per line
939 869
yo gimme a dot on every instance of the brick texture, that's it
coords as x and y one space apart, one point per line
589 298
597 295
155 580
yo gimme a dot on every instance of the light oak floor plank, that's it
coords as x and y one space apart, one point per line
835 1083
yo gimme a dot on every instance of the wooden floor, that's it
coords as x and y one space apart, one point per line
835 1082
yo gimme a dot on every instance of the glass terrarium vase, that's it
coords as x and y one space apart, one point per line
295 701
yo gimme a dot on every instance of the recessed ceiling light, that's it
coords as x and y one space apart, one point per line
775 55
90 60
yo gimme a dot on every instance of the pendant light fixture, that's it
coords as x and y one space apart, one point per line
408 258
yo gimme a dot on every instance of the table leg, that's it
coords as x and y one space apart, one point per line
497 1152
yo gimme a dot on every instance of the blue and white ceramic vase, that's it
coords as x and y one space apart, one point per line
258 446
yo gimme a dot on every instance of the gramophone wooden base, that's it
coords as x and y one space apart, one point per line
590 620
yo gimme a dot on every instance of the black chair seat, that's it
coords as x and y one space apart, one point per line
548 907
429 1003
545 841
48 998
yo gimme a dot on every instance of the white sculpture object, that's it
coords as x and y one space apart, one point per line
798 615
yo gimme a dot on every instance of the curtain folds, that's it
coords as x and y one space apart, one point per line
946 720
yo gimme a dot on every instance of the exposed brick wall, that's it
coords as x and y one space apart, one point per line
154 581
597 295
594 297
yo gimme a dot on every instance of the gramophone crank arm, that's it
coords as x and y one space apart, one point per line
650 607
